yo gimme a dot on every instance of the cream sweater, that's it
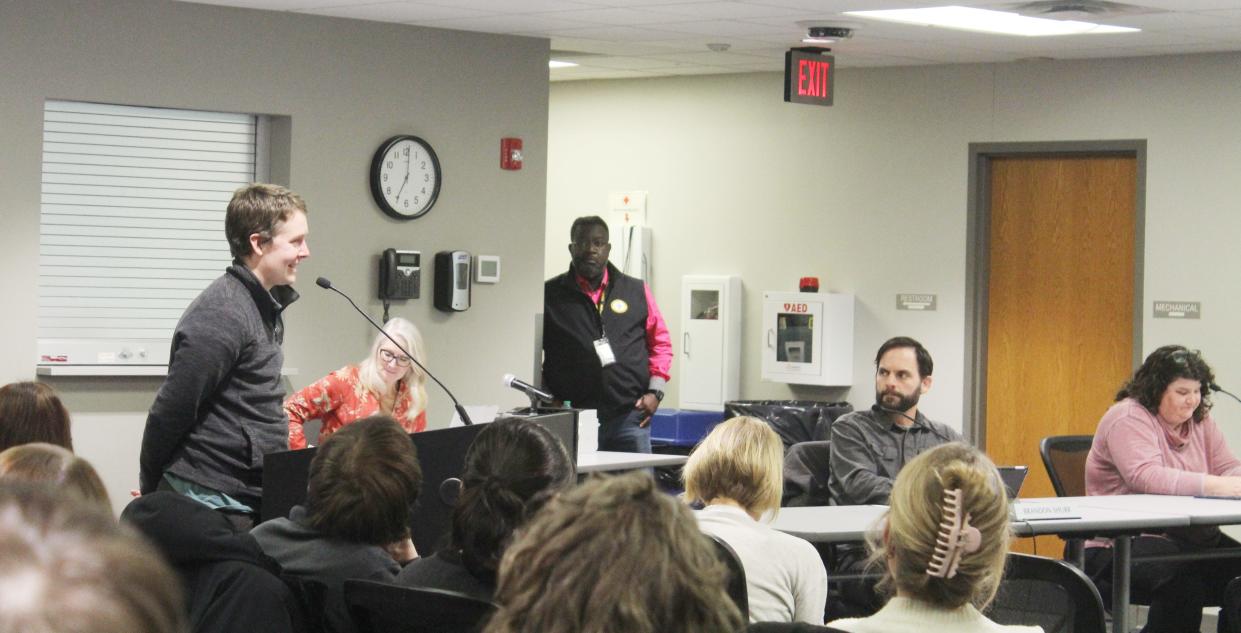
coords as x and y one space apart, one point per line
907 615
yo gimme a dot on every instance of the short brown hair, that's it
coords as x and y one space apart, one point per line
79 570
38 462
31 412
613 555
258 208
742 460
363 483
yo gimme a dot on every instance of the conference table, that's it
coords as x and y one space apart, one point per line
1119 518
603 461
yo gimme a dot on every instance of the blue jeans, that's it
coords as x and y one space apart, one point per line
622 433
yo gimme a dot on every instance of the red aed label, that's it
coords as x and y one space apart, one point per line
809 77
800 308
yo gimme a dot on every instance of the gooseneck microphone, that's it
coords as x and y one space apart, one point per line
327 285
1218 389
534 393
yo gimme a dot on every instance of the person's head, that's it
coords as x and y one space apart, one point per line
902 373
266 229
38 462
1172 382
909 542
589 246
613 555
387 365
363 483
512 467
31 412
66 566
741 460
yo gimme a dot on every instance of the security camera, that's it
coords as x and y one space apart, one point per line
830 32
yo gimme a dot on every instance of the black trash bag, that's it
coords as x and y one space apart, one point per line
793 420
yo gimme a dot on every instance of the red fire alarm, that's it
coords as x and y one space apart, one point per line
510 153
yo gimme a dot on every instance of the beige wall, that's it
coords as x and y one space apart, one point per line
345 86
870 194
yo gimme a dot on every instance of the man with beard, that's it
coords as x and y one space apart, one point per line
870 447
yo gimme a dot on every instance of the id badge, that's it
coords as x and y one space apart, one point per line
604 350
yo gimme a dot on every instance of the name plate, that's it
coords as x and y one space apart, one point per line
1027 511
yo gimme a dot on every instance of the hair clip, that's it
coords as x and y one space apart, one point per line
956 537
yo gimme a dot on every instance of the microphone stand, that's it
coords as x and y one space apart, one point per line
1218 389
465 417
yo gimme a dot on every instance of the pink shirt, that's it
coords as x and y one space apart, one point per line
1135 452
658 340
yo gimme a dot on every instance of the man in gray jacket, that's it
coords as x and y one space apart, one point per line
220 408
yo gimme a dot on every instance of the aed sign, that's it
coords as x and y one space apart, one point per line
809 76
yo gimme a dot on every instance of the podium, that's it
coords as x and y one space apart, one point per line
441 454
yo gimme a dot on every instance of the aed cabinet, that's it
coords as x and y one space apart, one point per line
808 338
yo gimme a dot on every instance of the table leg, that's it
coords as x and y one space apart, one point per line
1121 563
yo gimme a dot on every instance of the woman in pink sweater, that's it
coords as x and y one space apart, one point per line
1159 438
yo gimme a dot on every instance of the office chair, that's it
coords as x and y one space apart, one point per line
378 607
1050 593
1064 457
736 576
805 474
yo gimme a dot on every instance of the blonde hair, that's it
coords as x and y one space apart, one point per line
741 460
50 464
907 543
415 380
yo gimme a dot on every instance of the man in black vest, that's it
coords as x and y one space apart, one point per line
605 344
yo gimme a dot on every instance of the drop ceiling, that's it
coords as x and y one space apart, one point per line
611 39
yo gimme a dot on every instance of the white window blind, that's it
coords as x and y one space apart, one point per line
132 224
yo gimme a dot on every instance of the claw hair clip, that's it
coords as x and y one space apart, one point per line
956 537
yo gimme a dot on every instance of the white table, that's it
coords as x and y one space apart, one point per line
829 524
603 461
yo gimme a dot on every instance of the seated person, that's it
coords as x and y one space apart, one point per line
66 566
386 382
363 483
38 462
31 412
1159 438
943 544
737 471
613 555
512 467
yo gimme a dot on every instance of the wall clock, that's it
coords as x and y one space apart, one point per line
405 177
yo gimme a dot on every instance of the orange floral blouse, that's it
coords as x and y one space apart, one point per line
340 398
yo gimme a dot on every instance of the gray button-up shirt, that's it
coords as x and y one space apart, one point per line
868 450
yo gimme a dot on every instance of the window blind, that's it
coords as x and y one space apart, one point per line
131 224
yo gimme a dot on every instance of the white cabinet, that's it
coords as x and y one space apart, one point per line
808 338
709 356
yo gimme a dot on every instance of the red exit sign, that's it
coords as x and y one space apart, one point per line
809 76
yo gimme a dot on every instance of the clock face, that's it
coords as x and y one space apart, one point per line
405 177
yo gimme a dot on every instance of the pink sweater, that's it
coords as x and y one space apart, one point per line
1135 452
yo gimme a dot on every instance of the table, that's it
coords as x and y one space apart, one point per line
602 461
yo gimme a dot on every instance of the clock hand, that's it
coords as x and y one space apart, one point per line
406 182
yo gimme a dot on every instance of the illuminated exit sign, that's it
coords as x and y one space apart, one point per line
809 76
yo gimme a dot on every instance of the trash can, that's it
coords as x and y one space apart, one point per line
793 420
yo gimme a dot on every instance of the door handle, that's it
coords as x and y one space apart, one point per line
685 342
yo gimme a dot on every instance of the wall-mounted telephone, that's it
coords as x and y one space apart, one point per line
400 274
452 281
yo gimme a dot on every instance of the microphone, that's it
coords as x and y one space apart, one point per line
879 407
327 285
1218 389
534 393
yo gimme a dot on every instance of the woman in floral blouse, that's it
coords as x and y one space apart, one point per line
387 382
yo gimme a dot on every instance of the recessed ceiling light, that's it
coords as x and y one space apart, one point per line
986 21
559 64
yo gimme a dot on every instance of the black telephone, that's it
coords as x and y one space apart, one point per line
400 274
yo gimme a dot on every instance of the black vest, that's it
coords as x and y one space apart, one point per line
571 324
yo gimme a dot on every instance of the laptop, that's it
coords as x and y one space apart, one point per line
1013 477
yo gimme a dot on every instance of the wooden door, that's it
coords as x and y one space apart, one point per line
1060 305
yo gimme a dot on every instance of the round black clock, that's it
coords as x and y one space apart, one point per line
405 177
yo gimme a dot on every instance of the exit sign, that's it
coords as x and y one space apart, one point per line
809 76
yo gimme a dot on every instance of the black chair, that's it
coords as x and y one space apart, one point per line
1064 457
378 607
736 576
806 467
311 596
1050 593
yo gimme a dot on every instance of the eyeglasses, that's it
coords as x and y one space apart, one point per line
388 357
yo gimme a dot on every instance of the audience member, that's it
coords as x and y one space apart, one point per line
737 471
68 567
613 555
39 462
31 412
943 545
363 483
386 382
511 469
1160 438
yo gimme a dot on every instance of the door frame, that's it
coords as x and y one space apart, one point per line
978 254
